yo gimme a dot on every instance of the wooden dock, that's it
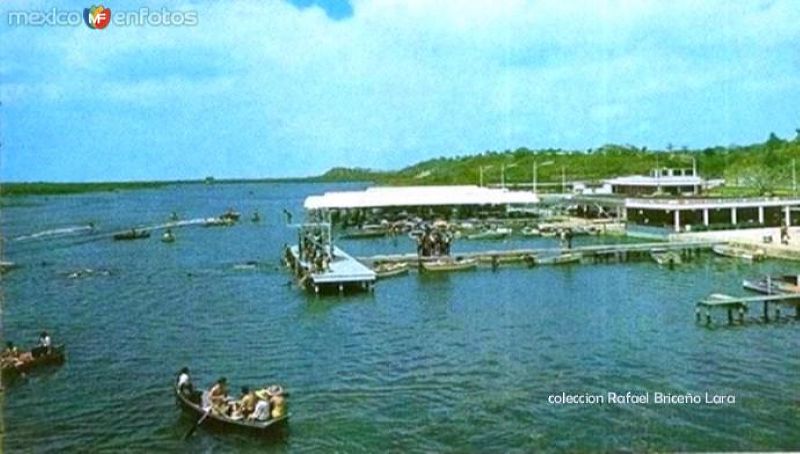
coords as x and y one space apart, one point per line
739 304
342 272
592 253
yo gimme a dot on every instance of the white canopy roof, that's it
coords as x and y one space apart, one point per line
377 197
639 180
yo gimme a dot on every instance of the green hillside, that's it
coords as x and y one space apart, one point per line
760 168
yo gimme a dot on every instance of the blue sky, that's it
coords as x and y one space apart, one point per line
277 88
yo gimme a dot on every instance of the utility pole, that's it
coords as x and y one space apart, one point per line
563 180
533 177
503 176
480 178
794 177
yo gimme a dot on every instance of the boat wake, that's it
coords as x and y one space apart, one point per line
57 233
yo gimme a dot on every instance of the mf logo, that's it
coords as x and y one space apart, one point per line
97 17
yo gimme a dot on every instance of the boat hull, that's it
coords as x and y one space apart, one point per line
56 358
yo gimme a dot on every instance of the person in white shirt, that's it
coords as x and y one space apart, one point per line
261 412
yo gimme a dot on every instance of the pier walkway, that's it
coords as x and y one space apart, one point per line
740 305
596 253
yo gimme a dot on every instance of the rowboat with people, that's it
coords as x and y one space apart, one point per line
458 264
739 252
208 418
384 270
28 361
132 234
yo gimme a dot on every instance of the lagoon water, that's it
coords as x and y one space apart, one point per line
460 362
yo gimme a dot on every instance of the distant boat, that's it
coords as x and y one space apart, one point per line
561 259
738 252
7 266
133 234
530 231
491 234
168 237
218 222
385 270
364 233
450 265
771 285
230 215
256 217
174 216
665 256
55 357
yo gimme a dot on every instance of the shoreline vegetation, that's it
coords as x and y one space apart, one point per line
751 170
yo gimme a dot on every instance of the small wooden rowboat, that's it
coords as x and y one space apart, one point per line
726 250
385 270
133 234
221 422
450 265
561 259
54 358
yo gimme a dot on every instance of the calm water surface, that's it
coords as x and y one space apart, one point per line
461 362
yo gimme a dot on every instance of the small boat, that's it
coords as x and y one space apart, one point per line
218 222
771 285
561 259
459 264
738 252
223 422
665 256
385 270
256 217
530 231
491 234
7 266
364 233
174 216
133 234
54 358
168 237
230 215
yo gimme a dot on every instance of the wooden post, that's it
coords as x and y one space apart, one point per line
697 314
741 314
708 317
730 315
777 312
766 311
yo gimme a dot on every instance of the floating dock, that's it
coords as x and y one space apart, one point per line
343 272
739 304
593 253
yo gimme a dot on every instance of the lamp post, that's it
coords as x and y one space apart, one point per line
536 174
481 169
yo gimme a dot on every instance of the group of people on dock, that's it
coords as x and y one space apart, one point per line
434 242
314 251
252 405
11 356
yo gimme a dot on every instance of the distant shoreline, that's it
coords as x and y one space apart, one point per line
17 189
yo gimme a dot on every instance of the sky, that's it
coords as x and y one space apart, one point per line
282 88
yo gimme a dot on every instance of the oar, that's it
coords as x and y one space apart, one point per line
194 427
